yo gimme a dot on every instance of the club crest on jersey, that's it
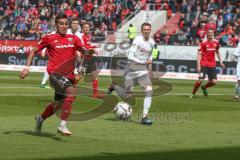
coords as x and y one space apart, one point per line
70 39
56 41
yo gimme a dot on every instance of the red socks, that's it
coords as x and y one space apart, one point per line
196 86
49 110
67 107
95 87
209 84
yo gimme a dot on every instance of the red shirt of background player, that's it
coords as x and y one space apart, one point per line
61 53
209 49
201 32
86 40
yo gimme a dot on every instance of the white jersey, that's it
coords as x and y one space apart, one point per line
141 50
78 34
236 52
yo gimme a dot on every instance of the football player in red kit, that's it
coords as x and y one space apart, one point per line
206 63
62 49
87 60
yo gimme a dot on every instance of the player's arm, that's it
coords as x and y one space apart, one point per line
43 53
199 57
133 50
220 59
236 52
131 53
41 45
81 48
150 59
25 70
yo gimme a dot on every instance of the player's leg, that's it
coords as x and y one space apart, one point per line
77 77
96 94
77 70
113 86
237 86
199 82
44 80
94 75
65 93
145 82
212 80
71 93
49 110
237 91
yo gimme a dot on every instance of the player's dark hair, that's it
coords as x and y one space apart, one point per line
60 16
145 24
74 19
85 23
210 29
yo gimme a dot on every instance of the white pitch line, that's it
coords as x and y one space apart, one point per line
187 94
38 95
16 87
27 95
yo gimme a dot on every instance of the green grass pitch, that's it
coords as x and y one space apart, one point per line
184 129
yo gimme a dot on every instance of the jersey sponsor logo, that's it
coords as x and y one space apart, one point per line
65 46
143 50
211 49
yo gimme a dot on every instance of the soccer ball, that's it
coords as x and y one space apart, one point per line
122 111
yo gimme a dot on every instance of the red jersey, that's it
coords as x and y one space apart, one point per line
209 49
87 44
61 52
201 32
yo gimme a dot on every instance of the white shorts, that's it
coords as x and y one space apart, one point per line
238 71
137 72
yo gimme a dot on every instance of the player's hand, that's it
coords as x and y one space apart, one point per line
89 51
198 68
150 73
97 45
149 62
23 73
42 55
222 65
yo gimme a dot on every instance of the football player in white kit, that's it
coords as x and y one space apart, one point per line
237 87
138 67
75 29
45 75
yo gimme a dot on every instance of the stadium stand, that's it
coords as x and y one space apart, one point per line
187 22
195 17
30 19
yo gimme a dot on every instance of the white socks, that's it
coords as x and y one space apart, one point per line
146 105
45 77
237 89
147 100
63 123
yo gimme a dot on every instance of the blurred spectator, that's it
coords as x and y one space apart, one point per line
21 49
196 16
30 19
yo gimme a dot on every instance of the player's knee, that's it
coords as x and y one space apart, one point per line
71 91
94 75
57 104
199 81
238 82
148 91
214 81
78 77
